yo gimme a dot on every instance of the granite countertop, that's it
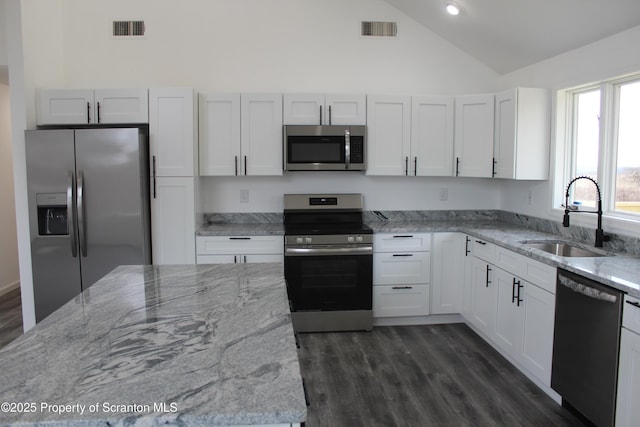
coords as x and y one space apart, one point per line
619 270
192 345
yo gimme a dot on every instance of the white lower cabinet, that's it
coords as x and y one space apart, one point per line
524 323
447 284
401 274
512 303
239 249
483 302
627 408
400 300
173 220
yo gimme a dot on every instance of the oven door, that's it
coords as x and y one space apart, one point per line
329 278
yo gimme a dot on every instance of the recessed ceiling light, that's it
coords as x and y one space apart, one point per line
452 8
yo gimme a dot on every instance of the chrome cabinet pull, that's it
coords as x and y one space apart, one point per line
98 111
634 303
402 287
408 255
88 112
415 166
467 251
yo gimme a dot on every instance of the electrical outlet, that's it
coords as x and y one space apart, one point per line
444 194
244 196
530 198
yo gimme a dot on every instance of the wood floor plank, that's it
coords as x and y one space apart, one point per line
10 317
437 375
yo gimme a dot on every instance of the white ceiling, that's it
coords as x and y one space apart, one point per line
510 34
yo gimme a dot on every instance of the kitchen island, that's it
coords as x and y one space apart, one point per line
192 345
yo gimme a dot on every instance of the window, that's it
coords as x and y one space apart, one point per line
603 136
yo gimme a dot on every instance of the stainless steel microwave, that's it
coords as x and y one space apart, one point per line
325 148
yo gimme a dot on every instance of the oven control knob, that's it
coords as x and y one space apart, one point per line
299 240
308 240
351 239
359 239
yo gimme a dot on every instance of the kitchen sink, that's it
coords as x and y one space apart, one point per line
564 249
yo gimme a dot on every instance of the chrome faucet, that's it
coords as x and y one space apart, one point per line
600 236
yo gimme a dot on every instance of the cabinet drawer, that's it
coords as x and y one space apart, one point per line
631 314
536 272
401 268
400 300
409 242
483 249
224 245
238 259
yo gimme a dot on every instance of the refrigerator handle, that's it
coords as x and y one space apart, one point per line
82 231
71 223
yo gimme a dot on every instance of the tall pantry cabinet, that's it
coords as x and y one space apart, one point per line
173 156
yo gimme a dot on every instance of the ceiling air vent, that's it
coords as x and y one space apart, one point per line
379 28
128 28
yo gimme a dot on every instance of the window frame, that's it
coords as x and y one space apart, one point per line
607 147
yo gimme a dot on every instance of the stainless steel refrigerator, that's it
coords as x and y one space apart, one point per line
88 208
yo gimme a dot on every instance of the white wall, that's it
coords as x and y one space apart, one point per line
4 59
258 46
610 57
9 276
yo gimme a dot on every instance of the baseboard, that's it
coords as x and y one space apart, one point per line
434 319
5 289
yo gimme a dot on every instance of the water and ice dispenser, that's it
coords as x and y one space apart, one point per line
52 214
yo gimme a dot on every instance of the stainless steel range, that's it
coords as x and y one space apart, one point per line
328 262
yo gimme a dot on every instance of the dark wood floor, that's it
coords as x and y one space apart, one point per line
10 317
437 375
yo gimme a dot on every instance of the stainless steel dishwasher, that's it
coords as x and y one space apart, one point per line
585 346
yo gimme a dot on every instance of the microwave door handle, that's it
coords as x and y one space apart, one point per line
347 148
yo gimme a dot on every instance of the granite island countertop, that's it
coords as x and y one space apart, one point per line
192 345
618 270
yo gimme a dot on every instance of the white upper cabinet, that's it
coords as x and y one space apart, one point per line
388 134
240 134
321 109
474 116
172 132
521 144
89 106
261 134
219 134
431 136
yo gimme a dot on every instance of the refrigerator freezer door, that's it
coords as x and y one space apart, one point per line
112 187
50 175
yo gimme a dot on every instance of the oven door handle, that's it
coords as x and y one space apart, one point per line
329 250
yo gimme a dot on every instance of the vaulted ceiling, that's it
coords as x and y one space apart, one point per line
510 34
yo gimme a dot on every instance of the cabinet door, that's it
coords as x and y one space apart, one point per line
65 106
303 109
431 136
219 134
400 300
474 135
388 134
522 134
173 221
508 329
483 308
448 278
627 408
114 106
345 109
504 148
401 268
261 134
172 131
538 314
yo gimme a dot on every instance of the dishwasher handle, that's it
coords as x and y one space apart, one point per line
586 290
